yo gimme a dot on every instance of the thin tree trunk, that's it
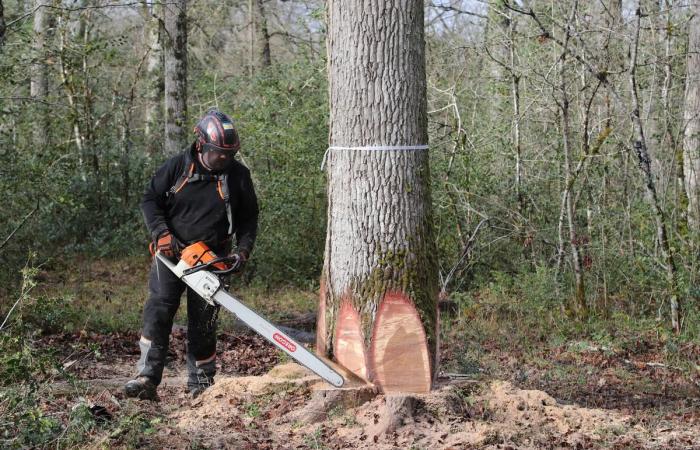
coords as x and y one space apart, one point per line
579 285
378 305
71 95
251 38
691 117
670 141
153 110
2 24
126 144
39 84
515 92
175 74
497 35
265 55
640 147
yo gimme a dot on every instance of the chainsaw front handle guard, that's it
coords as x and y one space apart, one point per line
231 261
204 283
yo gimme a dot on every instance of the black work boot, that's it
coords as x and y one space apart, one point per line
198 381
200 376
142 388
196 391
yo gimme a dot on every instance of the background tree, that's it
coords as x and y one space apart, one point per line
175 73
691 116
39 83
152 15
3 27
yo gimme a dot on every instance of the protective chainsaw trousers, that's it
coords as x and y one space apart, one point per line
165 290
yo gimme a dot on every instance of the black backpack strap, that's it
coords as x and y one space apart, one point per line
187 173
189 176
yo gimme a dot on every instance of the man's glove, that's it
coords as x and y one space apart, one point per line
167 244
239 259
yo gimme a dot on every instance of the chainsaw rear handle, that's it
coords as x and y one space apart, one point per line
214 265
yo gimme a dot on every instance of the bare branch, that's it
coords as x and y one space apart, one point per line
450 8
31 213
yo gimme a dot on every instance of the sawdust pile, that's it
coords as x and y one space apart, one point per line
289 408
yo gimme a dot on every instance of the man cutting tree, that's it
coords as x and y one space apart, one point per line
202 194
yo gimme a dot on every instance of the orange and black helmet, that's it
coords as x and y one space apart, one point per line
217 140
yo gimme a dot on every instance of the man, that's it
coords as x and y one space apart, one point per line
202 194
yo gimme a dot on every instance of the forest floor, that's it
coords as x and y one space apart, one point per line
570 394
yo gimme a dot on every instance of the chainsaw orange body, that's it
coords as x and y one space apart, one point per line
199 253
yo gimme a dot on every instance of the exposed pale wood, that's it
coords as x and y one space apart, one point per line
349 348
399 358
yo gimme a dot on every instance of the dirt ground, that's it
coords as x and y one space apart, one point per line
580 399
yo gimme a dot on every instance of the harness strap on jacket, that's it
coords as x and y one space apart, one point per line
224 193
188 176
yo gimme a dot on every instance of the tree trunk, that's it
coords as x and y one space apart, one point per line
39 84
259 36
640 146
378 305
2 24
568 199
691 116
175 73
265 55
251 38
154 77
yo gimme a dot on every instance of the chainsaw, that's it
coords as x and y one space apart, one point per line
201 269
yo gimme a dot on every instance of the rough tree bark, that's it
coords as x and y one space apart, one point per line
378 302
175 74
691 116
38 82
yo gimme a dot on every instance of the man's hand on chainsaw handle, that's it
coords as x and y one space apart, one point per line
167 244
240 256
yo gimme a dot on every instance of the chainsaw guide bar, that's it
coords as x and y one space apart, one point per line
208 286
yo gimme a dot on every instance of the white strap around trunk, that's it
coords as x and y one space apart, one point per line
373 148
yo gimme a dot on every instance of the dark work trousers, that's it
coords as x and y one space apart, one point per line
158 313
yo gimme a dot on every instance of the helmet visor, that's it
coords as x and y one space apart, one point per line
216 158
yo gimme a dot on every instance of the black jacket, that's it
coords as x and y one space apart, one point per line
197 212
